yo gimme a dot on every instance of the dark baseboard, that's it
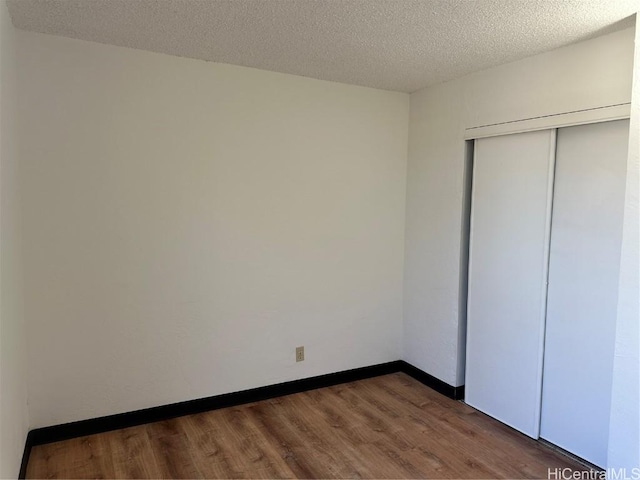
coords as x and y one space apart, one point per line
55 433
456 393
25 455
91 426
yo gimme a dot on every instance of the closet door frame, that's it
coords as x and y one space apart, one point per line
550 122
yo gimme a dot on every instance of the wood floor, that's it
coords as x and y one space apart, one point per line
384 427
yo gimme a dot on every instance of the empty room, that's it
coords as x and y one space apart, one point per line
319 239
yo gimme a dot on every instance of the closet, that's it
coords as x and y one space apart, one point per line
544 252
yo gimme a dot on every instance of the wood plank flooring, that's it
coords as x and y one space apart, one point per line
385 427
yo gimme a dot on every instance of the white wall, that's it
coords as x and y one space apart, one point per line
13 371
624 430
585 75
188 224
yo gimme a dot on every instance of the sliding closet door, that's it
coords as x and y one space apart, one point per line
583 287
510 218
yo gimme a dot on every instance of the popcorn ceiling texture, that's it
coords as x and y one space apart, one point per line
401 45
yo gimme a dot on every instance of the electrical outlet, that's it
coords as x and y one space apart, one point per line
299 354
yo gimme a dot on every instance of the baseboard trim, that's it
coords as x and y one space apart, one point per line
55 433
91 426
456 393
25 455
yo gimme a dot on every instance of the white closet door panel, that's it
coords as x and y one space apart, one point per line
510 219
583 287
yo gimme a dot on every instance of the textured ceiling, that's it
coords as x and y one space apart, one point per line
401 45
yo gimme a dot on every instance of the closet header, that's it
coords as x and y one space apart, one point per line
568 119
